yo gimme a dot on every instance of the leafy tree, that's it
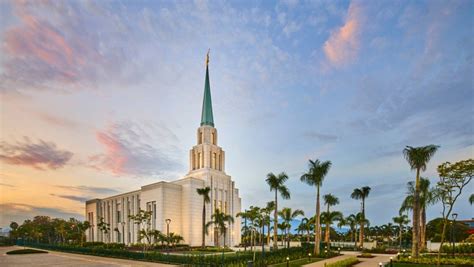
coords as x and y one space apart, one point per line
418 158
329 200
143 220
204 192
362 194
305 227
314 177
219 220
102 226
277 184
453 179
245 215
288 215
434 228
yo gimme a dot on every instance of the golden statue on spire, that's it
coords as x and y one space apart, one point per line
207 57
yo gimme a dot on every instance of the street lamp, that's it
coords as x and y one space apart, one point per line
287 261
453 237
391 263
309 257
168 221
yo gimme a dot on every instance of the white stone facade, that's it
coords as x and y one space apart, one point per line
177 200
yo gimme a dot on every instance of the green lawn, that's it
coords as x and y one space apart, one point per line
297 263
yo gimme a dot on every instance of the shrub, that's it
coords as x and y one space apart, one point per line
25 251
93 244
432 260
459 249
344 263
365 255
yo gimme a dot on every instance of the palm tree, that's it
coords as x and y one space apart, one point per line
361 221
219 220
268 209
362 194
428 196
418 158
304 227
401 220
352 222
342 222
288 216
277 184
329 200
328 218
314 177
204 192
245 229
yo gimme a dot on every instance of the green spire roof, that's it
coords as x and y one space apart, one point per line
206 115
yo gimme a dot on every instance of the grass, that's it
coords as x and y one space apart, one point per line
197 252
25 251
297 263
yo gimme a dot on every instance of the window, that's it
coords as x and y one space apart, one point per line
213 138
214 155
200 138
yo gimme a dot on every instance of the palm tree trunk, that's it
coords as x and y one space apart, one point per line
361 238
203 224
401 233
268 231
326 238
275 222
423 229
317 230
416 217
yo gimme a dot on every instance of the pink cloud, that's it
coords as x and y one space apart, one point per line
39 155
343 43
130 149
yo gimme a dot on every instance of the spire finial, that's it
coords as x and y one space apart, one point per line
207 57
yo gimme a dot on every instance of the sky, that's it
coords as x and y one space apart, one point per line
102 97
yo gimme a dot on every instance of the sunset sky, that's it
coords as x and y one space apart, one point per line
102 97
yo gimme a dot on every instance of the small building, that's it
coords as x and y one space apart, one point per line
177 200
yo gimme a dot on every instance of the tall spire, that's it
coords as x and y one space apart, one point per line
206 115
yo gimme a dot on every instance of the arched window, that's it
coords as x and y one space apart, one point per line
213 138
200 137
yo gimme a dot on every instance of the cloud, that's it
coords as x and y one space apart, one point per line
93 190
320 136
19 212
41 155
131 149
73 198
56 120
62 46
343 43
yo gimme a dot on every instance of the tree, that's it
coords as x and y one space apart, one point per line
351 220
268 210
401 220
305 227
204 192
219 220
453 179
103 227
361 221
362 194
314 177
288 215
277 184
329 217
329 200
175 239
245 215
428 196
143 220
418 158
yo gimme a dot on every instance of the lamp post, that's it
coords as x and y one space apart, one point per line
391 263
168 221
453 237
287 261
309 257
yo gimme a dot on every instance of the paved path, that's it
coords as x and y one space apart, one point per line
365 262
54 258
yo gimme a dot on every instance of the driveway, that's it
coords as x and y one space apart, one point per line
54 258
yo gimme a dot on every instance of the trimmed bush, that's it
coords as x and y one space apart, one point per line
344 263
25 251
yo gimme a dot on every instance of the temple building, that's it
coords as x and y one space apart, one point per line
177 200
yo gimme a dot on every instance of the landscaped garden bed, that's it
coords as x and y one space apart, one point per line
344 263
25 251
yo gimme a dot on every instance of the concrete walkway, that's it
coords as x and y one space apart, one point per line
54 258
